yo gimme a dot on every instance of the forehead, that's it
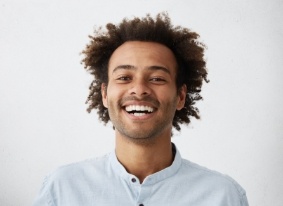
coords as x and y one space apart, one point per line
143 54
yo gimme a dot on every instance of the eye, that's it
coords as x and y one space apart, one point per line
123 78
158 80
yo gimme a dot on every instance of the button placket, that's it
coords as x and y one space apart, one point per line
144 195
135 186
134 180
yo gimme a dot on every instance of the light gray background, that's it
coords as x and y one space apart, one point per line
43 87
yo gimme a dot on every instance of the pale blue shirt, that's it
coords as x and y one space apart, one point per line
105 182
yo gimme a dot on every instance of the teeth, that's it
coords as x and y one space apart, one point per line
139 114
131 108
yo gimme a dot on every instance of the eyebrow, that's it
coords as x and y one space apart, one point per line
131 67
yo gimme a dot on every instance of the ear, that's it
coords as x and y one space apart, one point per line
181 97
104 94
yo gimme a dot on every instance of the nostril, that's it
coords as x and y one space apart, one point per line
136 93
144 93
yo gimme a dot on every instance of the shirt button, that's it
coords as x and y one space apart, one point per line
134 180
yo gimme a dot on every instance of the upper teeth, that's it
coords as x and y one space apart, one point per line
138 108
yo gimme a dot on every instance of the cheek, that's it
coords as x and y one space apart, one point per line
168 93
113 95
168 100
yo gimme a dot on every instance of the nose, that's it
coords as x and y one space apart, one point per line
140 88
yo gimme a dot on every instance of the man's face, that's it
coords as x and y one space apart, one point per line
141 95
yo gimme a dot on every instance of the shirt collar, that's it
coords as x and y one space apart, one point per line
119 169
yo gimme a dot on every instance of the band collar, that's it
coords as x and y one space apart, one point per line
167 172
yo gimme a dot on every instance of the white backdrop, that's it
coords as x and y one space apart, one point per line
43 87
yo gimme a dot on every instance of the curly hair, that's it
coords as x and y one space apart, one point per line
184 44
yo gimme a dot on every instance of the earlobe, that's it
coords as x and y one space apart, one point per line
104 94
181 97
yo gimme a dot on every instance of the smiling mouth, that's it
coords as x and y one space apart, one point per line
139 110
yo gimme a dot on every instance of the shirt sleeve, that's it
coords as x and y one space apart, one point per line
44 197
244 200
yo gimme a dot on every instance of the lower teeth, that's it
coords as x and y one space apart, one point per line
139 114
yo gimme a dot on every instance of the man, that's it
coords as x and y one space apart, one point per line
147 78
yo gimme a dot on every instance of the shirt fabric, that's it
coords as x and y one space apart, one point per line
105 182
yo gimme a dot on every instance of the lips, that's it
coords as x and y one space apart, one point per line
139 108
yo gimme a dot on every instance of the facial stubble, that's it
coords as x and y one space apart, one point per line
139 134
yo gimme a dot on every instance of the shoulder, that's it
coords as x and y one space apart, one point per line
77 171
211 181
73 180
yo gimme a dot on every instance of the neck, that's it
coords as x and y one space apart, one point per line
142 160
